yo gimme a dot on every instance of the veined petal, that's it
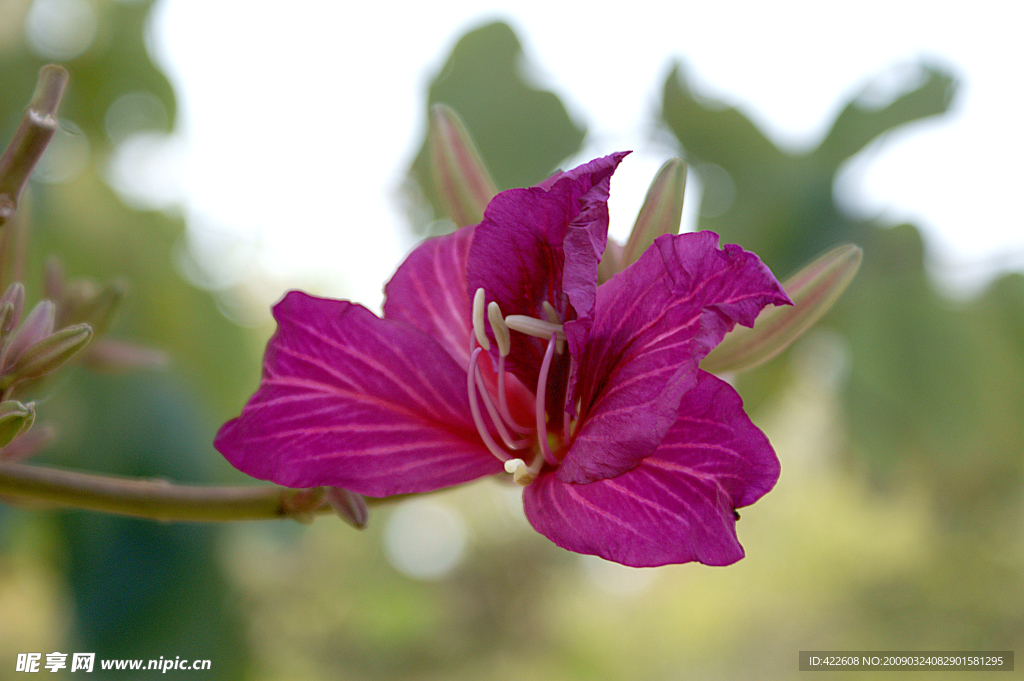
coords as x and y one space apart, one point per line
584 244
543 244
351 400
587 235
428 291
678 504
654 322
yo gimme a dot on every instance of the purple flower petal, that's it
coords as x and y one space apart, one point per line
429 292
677 505
655 321
543 244
351 400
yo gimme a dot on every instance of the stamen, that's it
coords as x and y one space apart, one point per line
478 319
501 333
532 326
485 435
566 417
495 418
542 385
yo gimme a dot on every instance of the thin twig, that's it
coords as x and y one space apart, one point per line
155 499
30 140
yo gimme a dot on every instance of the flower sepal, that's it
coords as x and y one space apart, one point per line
814 289
460 177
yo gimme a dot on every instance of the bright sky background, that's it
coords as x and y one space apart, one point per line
298 119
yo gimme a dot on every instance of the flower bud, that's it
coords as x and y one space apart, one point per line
53 278
37 326
75 298
98 310
15 419
814 290
6 318
349 506
15 296
661 213
463 184
611 261
47 354
109 354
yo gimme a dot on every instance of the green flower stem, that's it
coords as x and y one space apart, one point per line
157 499
30 140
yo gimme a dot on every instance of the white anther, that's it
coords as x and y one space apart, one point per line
520 472
512 465
532 326
478 319
501 333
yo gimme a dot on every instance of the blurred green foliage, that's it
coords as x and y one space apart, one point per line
137 589
933 399
778 204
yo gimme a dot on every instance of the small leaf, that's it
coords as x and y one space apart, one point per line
814 290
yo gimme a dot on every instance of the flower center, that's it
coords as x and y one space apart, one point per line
514 437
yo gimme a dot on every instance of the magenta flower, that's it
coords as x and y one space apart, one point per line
499 352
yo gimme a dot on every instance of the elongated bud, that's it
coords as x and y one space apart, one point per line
460 176
98 310
75 300
6 319
661 213
611 261
15 419
47 354
15 295
814 290
53 278
349 506
37 326
109 354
